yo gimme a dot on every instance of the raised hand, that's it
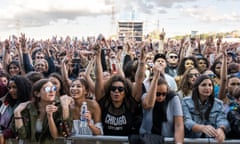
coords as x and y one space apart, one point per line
23 40
50 109
157 69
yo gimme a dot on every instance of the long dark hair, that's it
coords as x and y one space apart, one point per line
37 88
85 84
23 90
16 63
160 108
195 97
63 87
128 99
181 67
213 68
184 85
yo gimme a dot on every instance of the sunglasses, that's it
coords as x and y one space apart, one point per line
193 74
173 57
49 89
235 84
158 94
38 57
114 88
212 76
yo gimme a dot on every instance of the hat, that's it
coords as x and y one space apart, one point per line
159 55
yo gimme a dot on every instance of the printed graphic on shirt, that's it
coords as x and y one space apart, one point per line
115 122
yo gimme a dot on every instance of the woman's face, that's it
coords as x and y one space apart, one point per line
161 93
12 89
202 65
192 76
205 89
55 82
117 92
13 70
106 76
218 68
78 90
188 64
48 92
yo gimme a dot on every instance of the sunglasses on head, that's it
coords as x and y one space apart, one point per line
49 89
193 74
158 94
119 88
212 76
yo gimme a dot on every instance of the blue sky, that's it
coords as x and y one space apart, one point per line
45 18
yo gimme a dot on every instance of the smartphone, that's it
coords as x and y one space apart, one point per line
100 37
76 60
120 47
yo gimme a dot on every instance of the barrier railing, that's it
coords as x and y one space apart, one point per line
84 139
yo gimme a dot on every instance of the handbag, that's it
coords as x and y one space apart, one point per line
146 139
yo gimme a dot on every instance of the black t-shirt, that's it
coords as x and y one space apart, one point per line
118 121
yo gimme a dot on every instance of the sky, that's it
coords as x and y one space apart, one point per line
43 19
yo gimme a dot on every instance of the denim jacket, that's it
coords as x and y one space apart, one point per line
217 116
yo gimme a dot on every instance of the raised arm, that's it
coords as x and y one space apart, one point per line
65 74
139 76
223 74
6 51
99 86
87 74
150 98
19 47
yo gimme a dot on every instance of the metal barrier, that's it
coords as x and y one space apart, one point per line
84 139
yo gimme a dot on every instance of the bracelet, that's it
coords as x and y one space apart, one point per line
18 117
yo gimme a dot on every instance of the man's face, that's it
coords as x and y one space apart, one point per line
172 59
39 56
161 62
233 83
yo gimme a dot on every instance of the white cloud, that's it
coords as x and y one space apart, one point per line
37 13
210 14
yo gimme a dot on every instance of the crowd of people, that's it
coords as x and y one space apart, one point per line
188 88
